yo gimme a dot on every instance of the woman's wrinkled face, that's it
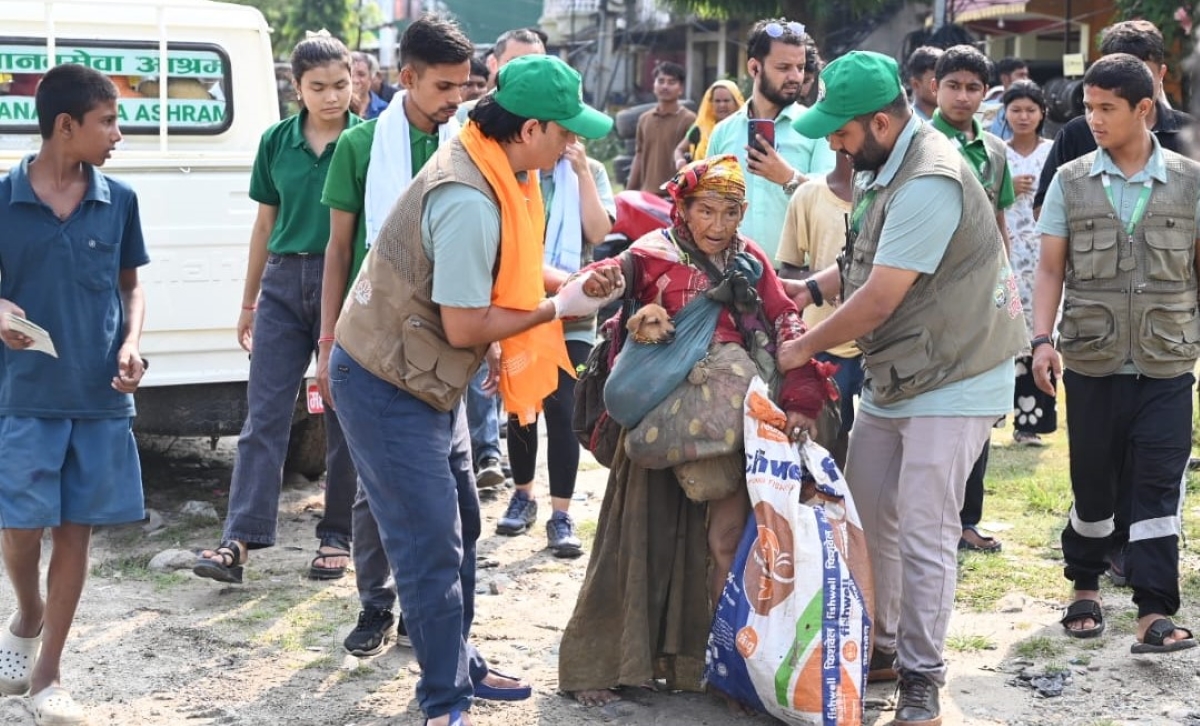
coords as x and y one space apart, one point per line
713 222
723 102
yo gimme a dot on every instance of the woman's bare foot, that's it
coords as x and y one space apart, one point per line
598 697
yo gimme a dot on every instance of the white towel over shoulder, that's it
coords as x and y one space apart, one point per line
390 170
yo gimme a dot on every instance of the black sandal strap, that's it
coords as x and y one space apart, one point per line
230 549
1083 610
1160 630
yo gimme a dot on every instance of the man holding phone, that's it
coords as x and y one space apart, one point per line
777 158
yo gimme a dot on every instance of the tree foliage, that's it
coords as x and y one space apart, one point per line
815 10
290 19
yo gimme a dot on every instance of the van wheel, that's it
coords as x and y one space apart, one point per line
306 446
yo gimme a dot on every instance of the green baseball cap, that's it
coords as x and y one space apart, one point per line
856 83
544 88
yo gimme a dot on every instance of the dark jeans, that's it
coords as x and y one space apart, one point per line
849 379
415 466
483 419
562 457
972 509
286 327
1128 432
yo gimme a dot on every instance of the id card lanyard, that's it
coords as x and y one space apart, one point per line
1128 262
1139 208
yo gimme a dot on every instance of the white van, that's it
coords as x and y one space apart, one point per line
190 167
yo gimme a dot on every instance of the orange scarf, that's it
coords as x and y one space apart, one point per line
529 360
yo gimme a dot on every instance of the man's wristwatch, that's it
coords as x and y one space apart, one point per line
790 186
1039 340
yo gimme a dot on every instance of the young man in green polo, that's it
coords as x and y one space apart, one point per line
371 167
962 75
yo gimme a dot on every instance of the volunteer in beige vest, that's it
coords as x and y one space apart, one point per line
457 266
930 300
1119 229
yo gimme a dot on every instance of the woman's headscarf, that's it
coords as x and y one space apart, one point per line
706 115
719 176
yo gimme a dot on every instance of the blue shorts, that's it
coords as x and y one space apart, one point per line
81 471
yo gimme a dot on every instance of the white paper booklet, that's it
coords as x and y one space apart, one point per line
41 339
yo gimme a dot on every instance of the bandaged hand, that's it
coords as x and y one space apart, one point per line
573 300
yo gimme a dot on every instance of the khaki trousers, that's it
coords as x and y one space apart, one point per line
907 476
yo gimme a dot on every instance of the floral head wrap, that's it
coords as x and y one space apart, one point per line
716 176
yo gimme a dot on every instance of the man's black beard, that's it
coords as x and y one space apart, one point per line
872 156
775 94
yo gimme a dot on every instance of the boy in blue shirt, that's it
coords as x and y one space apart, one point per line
69 255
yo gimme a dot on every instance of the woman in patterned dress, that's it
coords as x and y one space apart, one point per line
1025 108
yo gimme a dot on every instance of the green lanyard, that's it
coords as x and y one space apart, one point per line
860 209
1139 209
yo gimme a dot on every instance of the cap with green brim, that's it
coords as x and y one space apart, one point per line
544 88
856 83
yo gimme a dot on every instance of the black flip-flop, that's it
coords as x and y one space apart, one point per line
1083 610
991 544
1154 639
320 572
229 569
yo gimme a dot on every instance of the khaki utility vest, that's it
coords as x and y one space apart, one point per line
1131 299
960 321
389 323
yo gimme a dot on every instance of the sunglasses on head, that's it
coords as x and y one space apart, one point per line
777 30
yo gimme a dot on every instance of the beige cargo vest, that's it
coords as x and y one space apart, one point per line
1131 299
960 321
389 323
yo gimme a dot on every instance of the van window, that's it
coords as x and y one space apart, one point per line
199 100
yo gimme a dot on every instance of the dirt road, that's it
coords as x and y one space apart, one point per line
155 649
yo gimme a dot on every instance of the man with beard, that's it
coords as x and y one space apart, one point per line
775 52
931 304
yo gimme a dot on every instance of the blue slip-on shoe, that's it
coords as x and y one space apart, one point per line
456 718
493 693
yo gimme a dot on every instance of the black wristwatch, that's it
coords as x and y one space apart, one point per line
1041 340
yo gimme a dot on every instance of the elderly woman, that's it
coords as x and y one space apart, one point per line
645 609
719 101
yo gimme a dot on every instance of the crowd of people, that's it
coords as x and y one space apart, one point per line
905 264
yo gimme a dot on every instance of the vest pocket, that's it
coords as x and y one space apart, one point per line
1094 254
1088 330
433 370
1170 333
1168 255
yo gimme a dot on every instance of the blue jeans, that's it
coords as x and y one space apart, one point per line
286 328
849 379
483 419
415 466
372 573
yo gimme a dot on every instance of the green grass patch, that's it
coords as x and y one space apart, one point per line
969 643
1039 646
127 567
324 662
586 531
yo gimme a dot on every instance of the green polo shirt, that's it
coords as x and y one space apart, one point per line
975 152
346 184
289 175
